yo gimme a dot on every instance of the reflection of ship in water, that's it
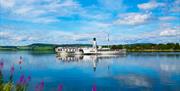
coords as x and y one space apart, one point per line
94 59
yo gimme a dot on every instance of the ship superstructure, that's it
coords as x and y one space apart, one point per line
94 50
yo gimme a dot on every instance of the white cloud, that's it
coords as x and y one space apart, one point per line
45 11
92 23
20 37
7 3
166 34
44 20
4 35
50 11
15 37
133 18
23 10
167 18
150 5
170 32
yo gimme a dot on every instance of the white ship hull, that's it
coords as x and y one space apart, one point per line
88 50
111 52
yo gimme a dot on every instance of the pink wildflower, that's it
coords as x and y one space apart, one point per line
42 83
24 82
94 88
60 87
40 86
21 79
29 78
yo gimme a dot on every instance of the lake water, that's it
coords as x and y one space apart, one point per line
158 71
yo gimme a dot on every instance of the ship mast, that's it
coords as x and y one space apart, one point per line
94 44
108 41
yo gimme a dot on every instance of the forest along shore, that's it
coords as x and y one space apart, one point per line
140 47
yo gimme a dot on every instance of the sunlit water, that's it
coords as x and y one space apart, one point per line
130 72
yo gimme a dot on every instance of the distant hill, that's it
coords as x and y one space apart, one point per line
40 47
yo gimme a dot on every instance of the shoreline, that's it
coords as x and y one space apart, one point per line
145 50
140 47
148 50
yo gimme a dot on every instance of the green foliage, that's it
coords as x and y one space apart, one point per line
21 87
149 47
8 86
1 81
116 47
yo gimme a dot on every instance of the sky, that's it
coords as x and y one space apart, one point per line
24 22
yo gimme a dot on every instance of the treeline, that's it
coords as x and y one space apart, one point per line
39 47
149 47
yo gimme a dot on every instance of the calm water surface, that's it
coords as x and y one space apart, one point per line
130 72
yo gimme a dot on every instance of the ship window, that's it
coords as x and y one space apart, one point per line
80 50
59 49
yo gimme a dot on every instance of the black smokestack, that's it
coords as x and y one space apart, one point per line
94 39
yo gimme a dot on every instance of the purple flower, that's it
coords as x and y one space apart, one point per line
24 82
29 78
40 86
21 79
37 87
94 88
42 83
60 87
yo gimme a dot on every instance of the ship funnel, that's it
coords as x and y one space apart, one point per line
94 39
94 43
